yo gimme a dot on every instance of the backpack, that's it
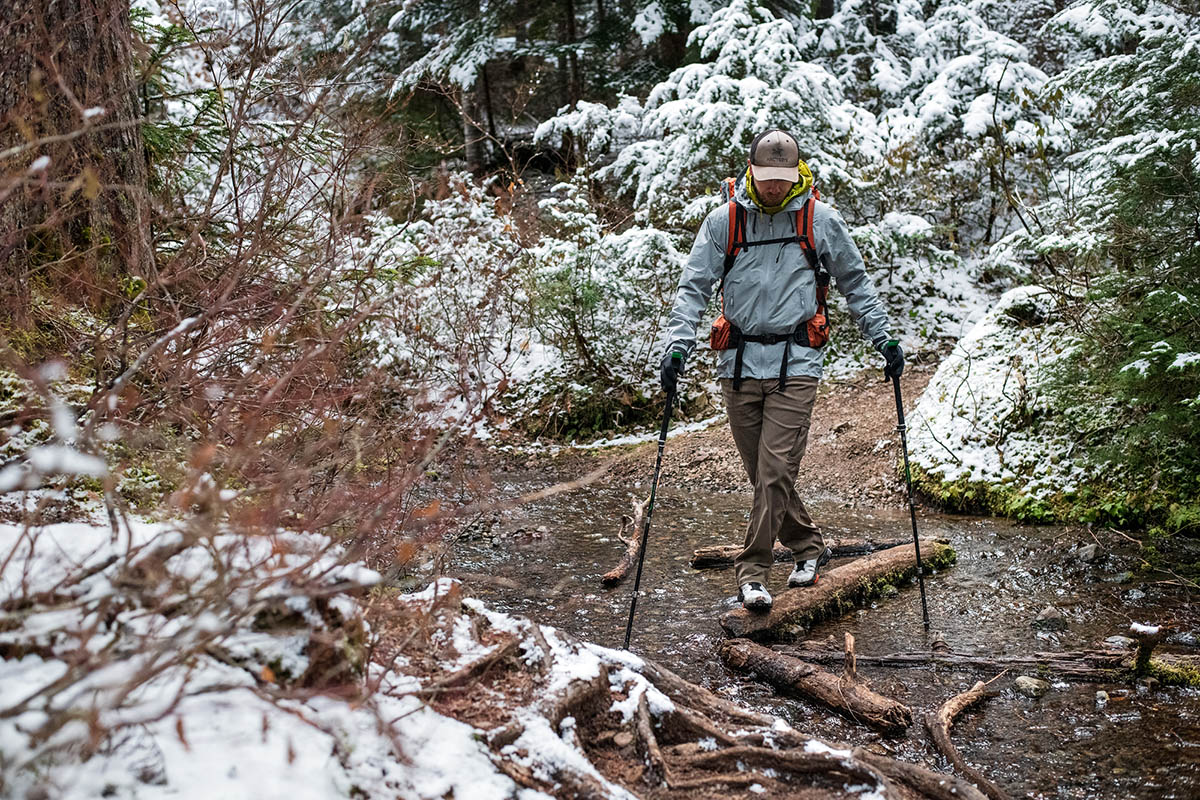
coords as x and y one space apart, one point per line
813 332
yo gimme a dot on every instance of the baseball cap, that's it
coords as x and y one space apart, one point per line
775 156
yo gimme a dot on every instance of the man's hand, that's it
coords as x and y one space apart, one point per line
895 360
672 368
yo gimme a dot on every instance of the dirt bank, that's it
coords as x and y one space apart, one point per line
852 456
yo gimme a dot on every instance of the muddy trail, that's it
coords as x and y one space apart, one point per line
545 560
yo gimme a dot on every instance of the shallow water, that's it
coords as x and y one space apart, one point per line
546 563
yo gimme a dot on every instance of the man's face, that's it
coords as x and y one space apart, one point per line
771 193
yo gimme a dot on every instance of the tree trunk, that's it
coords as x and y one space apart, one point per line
568 36
824 10
74 213
472 134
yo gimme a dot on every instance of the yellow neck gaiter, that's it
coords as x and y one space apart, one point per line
800 187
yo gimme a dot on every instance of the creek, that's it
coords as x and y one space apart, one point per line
545 560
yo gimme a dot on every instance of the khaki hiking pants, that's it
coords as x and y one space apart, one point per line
770 428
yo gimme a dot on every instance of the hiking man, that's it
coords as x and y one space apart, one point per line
773 248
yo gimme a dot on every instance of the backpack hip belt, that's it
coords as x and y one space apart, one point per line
813 332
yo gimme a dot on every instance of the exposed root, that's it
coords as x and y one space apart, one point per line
627 737
645 729
939 724
925 782
477 667
838 765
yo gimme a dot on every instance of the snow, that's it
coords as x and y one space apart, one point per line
972 420
820 748
1145 630
39 164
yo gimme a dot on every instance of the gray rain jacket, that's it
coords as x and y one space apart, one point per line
771 288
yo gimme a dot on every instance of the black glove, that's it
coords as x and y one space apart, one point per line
895 360
672 368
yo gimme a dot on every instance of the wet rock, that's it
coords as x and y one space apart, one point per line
1123 642
1133 595
1147 684
1184 638
1087 553
1031 687
1101 699
1051 619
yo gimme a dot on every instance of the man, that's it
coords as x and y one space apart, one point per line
782 246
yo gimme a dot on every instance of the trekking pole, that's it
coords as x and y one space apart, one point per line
912 509
662 441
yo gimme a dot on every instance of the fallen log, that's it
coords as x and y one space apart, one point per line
632 543
939 724
1087 666
837 591
848 697
722 555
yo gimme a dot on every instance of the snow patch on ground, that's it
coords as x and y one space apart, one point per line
983 415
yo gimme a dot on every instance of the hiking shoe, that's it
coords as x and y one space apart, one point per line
754 596
805 573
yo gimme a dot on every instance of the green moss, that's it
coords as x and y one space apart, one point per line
938 557
1179 674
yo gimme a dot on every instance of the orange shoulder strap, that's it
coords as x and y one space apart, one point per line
804 224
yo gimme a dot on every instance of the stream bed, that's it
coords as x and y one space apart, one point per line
545 561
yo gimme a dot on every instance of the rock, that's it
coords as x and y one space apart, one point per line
1121 577
1051 619
1087 553
1147 683
623 739
1031 687
1184 638
1133 595
1123 642
1101 699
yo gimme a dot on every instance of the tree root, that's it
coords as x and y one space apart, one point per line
939 724
925 782
842 765
476 668
702 744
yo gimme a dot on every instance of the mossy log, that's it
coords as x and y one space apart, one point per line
722 555
847 696
837 591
